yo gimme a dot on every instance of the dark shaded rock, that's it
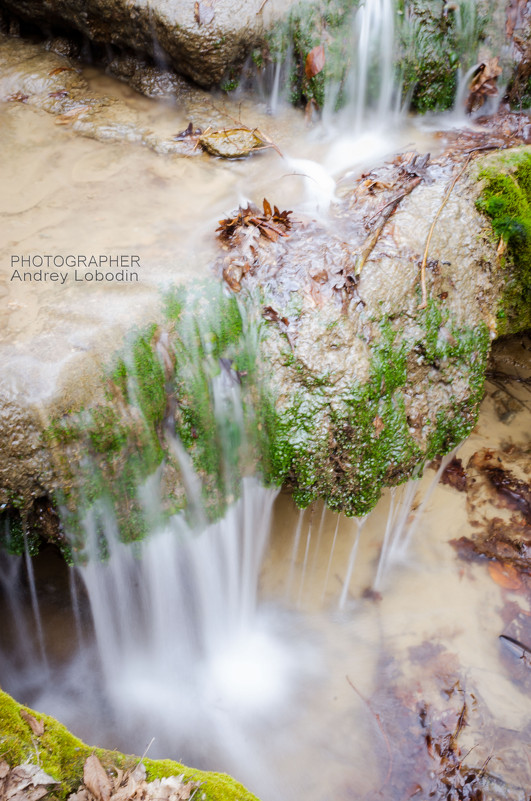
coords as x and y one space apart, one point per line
197 44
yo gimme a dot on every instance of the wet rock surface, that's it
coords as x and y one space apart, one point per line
32 75
200 40
373 372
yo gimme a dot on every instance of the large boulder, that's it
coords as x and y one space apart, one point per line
201 40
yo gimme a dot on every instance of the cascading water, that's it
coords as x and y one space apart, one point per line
170 637
371 85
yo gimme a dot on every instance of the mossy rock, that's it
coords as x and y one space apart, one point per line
62 755
431 47
505 198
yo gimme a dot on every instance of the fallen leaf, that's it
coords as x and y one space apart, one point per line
272 224
315 61
269 313
378 424
37 726
505 576
57 70
18 97
483 84
233 274
4 769
96 778
26 783
203 13
70 115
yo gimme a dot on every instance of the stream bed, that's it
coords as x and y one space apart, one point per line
363 645
331 687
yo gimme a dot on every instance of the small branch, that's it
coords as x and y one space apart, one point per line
382 730
387 211
424 301
261 7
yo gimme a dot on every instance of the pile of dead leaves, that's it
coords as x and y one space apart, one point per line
24 782
271 224
130 785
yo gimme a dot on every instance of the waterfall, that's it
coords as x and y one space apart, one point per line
175 617
371 84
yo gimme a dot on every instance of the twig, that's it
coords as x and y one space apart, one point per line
382 730
261 7
389 210
145 752
424 301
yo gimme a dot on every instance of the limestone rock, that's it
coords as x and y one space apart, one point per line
198 39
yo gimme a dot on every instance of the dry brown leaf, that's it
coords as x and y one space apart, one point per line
57 70
26 783
233 275
96 778
378 424
505 576
483 83
37 726
315 61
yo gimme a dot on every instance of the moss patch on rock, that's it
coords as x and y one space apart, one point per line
308 24
62 755
344 444
432 44
506 199
193 376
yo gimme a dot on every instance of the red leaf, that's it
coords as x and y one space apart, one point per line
315 61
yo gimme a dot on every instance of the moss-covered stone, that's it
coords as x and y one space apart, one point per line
345 445
506 199
432 45
62 755
308 24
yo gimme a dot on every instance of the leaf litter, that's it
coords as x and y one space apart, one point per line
130 785
24 782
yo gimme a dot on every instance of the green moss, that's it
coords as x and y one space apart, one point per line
346 446
308 24
62 755
433 46
506 200
15 538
